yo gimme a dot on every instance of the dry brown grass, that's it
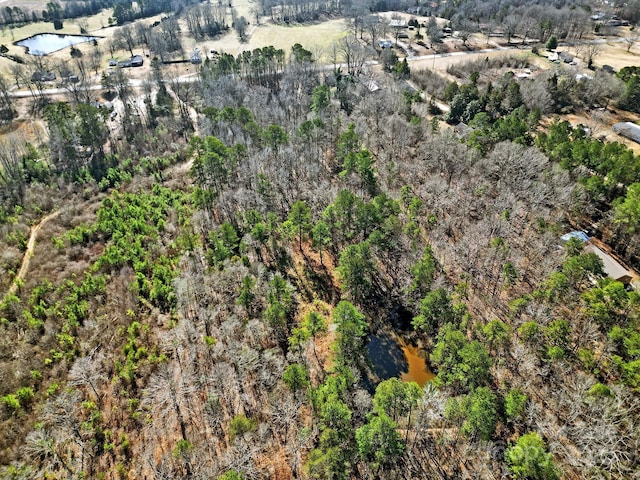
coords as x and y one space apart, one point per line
614 54
442 64
316 37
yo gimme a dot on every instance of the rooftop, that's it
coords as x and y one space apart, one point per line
629 130
611 266
583 237
396 23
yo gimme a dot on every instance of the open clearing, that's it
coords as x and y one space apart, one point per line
316 37
614 53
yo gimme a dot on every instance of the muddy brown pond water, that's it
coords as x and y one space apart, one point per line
393 357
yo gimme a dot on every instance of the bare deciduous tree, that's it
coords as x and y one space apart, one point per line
87 372
350 51
12 181
632 38
126 36
589 51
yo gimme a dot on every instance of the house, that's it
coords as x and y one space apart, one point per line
611 266
136 61
566 57
43 76
628 130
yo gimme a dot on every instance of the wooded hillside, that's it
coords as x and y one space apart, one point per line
201 305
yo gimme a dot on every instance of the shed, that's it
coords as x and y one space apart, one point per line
583 237
397 23
628 130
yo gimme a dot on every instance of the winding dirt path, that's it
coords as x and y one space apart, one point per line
31 245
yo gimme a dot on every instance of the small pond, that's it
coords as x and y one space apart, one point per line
392 357
45 43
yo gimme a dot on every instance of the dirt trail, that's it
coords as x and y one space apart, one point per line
31 245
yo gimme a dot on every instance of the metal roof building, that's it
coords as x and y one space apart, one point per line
611 266
583 237
629 130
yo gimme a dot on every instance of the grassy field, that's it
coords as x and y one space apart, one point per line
615 54
317 38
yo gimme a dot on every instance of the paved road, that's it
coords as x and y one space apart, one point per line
135 83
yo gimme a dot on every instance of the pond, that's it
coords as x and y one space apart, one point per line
45 43
392 357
